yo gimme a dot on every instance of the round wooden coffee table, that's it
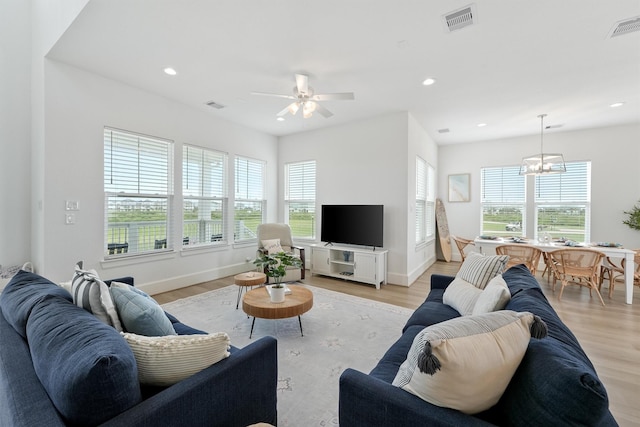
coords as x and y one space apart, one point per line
249 279
257 303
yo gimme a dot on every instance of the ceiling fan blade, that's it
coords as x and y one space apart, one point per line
347 96
323 111
276 95
302 83
291 108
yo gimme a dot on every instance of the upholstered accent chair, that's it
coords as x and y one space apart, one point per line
272 237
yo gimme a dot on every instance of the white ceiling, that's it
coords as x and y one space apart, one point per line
520 59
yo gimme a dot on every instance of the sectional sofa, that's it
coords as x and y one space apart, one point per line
61 366
555 383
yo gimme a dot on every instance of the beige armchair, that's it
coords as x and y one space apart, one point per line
267 233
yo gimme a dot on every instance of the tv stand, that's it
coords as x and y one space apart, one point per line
359 265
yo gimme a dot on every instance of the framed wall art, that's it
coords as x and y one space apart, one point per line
459 187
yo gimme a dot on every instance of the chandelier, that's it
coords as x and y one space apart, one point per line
543 163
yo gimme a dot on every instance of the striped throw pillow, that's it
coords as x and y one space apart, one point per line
478 269
92 294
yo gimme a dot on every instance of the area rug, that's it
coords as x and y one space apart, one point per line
340 331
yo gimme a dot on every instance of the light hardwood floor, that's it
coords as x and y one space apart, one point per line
609 335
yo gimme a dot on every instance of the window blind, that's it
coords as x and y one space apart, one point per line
249 197
204 196
421 201
300 198
138 186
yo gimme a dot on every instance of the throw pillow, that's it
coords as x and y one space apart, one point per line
140 314
478 269
92 294
494 297
466 363
462 296
87 369
163 361
272 246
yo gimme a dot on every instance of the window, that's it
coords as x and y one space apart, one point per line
138 186
204 196
249 198
300 199
503 200
562 203
425 201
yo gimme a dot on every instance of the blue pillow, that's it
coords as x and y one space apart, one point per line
139 313
20 295
87 368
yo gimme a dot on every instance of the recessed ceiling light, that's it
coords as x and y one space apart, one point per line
429 81
617 104
481 125
170 71
280 119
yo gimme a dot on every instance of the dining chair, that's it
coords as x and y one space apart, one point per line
614 271
521 254
579 267
462 243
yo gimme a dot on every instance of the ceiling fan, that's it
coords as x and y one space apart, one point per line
305 99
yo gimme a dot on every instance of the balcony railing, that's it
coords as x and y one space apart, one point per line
146 236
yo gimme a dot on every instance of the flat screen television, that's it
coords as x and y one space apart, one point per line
353 224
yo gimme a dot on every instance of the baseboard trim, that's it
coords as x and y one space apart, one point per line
178 282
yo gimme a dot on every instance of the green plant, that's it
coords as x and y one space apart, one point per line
633 220
275 265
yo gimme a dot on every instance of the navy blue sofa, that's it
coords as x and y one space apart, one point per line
237 391
555 384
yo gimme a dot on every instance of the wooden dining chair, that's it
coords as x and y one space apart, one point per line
521 254
462 243
579 267
613 271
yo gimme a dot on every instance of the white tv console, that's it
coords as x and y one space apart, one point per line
360 265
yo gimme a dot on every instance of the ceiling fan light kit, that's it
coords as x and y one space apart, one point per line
303 96
543 163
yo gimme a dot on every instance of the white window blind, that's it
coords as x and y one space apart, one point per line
503 200
204 192
138 186
563 202
249 197
300 198
431 202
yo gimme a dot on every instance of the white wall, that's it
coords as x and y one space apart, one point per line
367 162
15 133
78 105
614 153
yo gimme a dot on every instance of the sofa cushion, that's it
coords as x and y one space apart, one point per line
86 367
139 313
92 294
164 361
431 311
478 269
462 296
466 363
387 367
495 296
20 295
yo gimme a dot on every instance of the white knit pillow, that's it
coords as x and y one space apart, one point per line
462 296
494 297
163 361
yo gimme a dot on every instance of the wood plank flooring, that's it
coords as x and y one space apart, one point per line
609 335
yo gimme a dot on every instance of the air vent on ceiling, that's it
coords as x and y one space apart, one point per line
553 126
446 130
625 26
215 105
460 18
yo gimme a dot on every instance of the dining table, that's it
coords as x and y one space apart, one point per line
487 245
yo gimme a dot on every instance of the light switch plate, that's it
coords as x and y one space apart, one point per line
72 205
70 219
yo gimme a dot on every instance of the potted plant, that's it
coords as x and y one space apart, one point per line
633 218
275 266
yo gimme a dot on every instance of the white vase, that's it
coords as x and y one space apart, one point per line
277 294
